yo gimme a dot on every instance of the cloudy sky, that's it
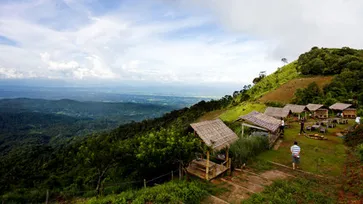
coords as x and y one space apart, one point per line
173 41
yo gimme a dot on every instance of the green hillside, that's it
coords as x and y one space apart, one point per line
127 155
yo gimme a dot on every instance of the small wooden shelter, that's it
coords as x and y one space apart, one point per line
344 108
277 112
262 122
216 135
297 109
318 110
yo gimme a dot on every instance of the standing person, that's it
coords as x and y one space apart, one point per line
295 152
357 120
302 124
282 126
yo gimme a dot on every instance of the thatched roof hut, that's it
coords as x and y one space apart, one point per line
277 112
215 133
340 106
296 108
318 110
313 107
261 120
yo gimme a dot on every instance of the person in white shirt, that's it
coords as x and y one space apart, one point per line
357 120
282 126
295 153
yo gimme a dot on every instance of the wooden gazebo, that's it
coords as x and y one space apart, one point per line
344 108
318 110
277 112
297 109
262 122
217 136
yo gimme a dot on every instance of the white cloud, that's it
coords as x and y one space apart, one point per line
295 26
120 47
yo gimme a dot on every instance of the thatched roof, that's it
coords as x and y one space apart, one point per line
215 133
262 120
314 107
295 108
277 112
340 106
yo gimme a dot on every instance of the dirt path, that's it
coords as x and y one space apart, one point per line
243 184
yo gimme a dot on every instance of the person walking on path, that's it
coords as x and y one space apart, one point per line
295 152
282 126
302 123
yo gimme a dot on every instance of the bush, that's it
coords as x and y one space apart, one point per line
360 151
245 148
171 192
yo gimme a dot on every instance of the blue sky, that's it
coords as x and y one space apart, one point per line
181 41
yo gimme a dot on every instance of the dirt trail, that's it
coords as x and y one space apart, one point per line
243 184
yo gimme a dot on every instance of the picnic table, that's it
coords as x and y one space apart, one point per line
315 127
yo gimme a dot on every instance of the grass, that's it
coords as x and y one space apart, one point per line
324 157
242 109
299 190
286 92
211 115
274 80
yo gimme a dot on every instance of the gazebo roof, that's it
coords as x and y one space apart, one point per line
215 133
262 120
295 108
340 106
314 107
277 112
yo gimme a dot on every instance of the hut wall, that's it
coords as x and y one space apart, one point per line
350 113
321 113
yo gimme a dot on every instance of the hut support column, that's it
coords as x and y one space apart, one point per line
227 156
243 129
207 168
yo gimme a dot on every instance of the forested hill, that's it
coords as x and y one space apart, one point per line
152 147
38 122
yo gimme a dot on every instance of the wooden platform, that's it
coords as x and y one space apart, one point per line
196 168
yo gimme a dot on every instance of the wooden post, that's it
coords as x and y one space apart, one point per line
243 129
207 167
47 197
229 166
227 155
172 175
144 183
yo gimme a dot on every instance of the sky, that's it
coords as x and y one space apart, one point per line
209 42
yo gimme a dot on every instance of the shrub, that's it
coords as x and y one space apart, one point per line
245 148
360 151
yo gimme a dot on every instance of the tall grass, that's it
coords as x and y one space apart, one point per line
246 148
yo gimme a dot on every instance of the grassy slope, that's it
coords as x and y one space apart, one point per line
267 84
242 109
332 151
285 93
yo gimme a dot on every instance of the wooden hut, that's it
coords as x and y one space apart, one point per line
217 136
296 109
262 122
344 108
318 110
277 112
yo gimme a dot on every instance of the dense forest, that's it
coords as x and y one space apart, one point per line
80 166
344 64
37 122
